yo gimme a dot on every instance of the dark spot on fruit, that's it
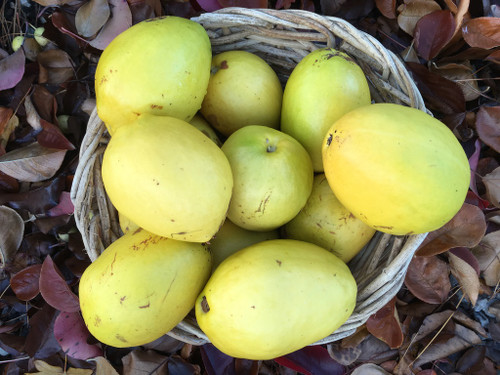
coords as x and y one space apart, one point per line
329 140
253 306
122 299
145 306
279 262
382 227
319 225
223 65
136 113
156 106
137 230
172 220
204 305
97 321
121 338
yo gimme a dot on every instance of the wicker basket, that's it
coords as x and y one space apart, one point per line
282 38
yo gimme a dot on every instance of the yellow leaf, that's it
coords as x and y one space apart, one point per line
44 368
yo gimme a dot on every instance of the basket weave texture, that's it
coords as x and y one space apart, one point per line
282 38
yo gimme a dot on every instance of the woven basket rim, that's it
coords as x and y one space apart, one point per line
270 33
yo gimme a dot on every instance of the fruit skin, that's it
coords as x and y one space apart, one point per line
272 175
275 297
396 168
126 225
243 90
141 286
202 125
230 238
325 222
323 86
167 177
159 66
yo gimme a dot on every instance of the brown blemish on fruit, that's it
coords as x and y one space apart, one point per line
121 338
204 305
329 140
263 204
122 299
137 230
319 225
253 307
156 106
279 262
223 65
97 321
382 227
145 306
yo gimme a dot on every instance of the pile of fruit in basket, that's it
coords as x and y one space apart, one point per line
243 198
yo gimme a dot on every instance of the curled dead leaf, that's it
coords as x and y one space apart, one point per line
492 183
410 12
466 276
385 325
432 32
12 69
8 123
11 233
488 126
488 256
462 74
56 66
369 369
32 163
91 17
120 20
465 229
387 8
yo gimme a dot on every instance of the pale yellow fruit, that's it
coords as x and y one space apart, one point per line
325 222
168 178
202 125
323 86
141 287
275 297
230 238
243 90
396 168
159 66
126 225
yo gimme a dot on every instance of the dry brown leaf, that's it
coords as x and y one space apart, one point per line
103 367
409 13
433 32
56 66
432 323
466 276
488 126
32 116
11 233
144 361
488 256
482 32
492 183
50 3
428 279
387 8
465 229
7 128
32 163
369 369
91 17
44 368
470 323
385 325
463 339
120 20
462 74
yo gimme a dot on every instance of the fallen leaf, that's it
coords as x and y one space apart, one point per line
385 325
56 67
54 289
432 32
50 3
64 207
120 20
243 3
488 126
465 229
52 137
45 103
492 183
5 115
210 5
140 361
12 69
494 57
387 8
466 276
8 129
103 367
312 360
91 17
433 323
32 116
488 256
463 75
32 163
25 283
284 4
441 94
471 360
464 338
369 369
410 12
11 234
44 368
482 32
427 279
72 334
329 7
466 255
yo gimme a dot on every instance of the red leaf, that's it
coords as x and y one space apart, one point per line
25 283
52 137
72 334
387 8
432 32
488 126
441 94
12 69
64 207
428 279
385 326
482 32
311 360
209 5
465 229
494 57
54 288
